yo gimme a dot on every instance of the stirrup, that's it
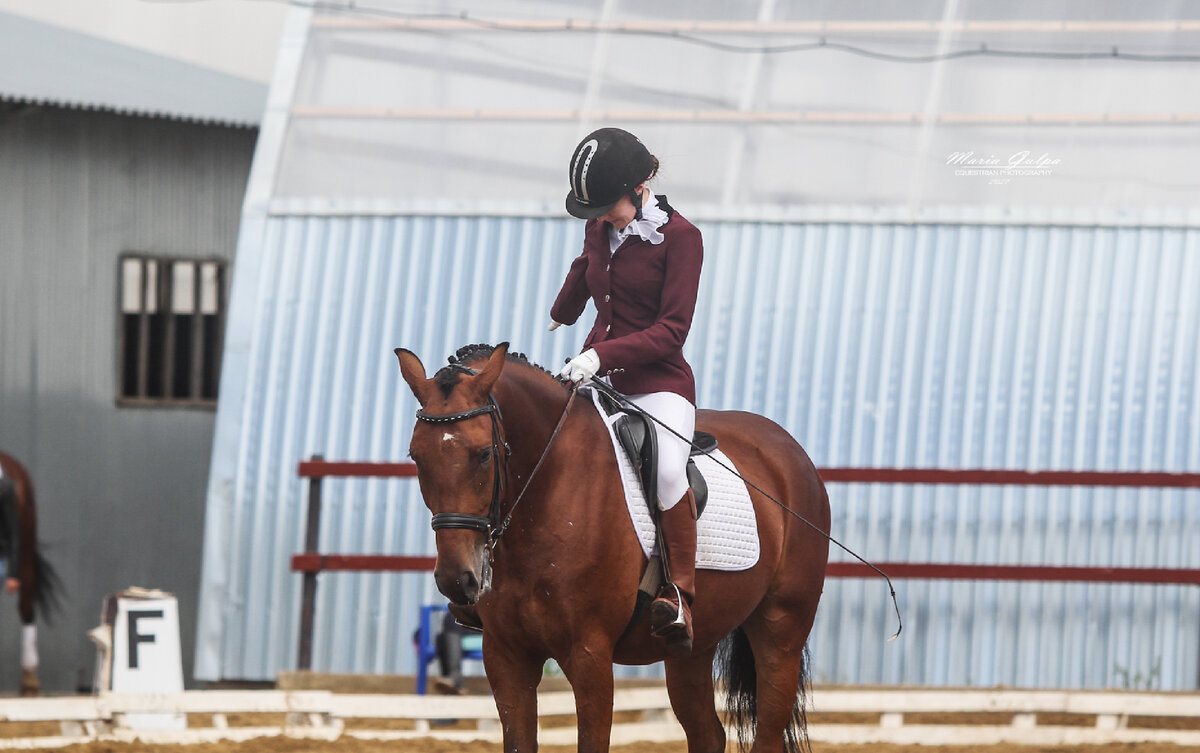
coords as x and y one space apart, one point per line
679 622
678 609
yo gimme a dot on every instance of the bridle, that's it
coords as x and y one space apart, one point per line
500 451
491 524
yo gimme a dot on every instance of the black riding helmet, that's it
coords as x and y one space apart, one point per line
607 164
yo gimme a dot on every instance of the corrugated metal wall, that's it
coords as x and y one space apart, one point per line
935 345
120 489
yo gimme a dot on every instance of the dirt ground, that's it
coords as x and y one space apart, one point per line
353 745
348 744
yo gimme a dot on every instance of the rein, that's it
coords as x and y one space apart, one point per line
495 535
608 390
492 524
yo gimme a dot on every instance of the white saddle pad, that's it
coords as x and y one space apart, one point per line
727 532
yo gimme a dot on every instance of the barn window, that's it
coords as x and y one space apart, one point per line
172 320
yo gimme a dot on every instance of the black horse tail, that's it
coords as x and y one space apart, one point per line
735 664
47 587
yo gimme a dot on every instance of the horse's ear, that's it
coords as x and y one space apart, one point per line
491 372
413 372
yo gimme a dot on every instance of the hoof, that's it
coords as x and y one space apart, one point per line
30 686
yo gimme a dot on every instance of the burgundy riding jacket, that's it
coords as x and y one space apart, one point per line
645 295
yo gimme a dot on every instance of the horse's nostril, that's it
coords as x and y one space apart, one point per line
469 585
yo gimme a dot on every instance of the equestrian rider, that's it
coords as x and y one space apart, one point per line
640 266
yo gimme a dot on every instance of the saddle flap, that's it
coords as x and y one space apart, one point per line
640 442
699 486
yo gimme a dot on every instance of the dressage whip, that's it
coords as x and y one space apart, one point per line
608 390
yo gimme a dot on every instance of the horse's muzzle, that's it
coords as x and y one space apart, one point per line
464 585
465 588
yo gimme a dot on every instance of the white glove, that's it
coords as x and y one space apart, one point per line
582 367
553 325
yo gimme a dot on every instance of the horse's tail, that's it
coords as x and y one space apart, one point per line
735 664
47 587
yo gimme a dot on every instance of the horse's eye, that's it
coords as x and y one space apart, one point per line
485 457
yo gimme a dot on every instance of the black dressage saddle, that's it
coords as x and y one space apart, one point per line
635 430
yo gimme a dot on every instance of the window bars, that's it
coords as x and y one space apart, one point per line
172 323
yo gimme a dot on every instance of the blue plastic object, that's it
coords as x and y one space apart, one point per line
427 644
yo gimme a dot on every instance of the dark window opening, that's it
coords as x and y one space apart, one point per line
172 321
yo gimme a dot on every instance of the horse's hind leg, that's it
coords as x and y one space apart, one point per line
690 686
30 685
27 570
777 634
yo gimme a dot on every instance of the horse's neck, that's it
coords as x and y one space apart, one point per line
532 404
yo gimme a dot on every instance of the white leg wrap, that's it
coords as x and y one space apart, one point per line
29 654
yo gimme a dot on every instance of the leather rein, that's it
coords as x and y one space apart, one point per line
492 524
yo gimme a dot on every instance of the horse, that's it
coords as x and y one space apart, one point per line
39 583
529 532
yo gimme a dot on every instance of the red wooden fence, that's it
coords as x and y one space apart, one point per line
311 562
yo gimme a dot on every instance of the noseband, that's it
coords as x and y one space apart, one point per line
500 451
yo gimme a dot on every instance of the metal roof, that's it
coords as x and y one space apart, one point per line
45 64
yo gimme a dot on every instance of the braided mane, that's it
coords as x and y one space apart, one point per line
449 376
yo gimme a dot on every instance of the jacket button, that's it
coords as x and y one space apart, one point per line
608 267
607 297
608 328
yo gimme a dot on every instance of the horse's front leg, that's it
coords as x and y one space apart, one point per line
514 677
589 668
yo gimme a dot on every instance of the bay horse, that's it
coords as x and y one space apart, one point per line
560 579
39 584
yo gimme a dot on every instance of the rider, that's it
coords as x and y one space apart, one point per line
641 267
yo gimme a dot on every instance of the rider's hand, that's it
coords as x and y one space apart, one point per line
11 585
582 367
553 325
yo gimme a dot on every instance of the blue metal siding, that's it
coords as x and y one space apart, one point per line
875 344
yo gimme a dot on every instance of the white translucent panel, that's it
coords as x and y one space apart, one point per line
411 107
151 303
131 286
210 288
183 287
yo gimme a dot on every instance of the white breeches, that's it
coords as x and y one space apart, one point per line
674 411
